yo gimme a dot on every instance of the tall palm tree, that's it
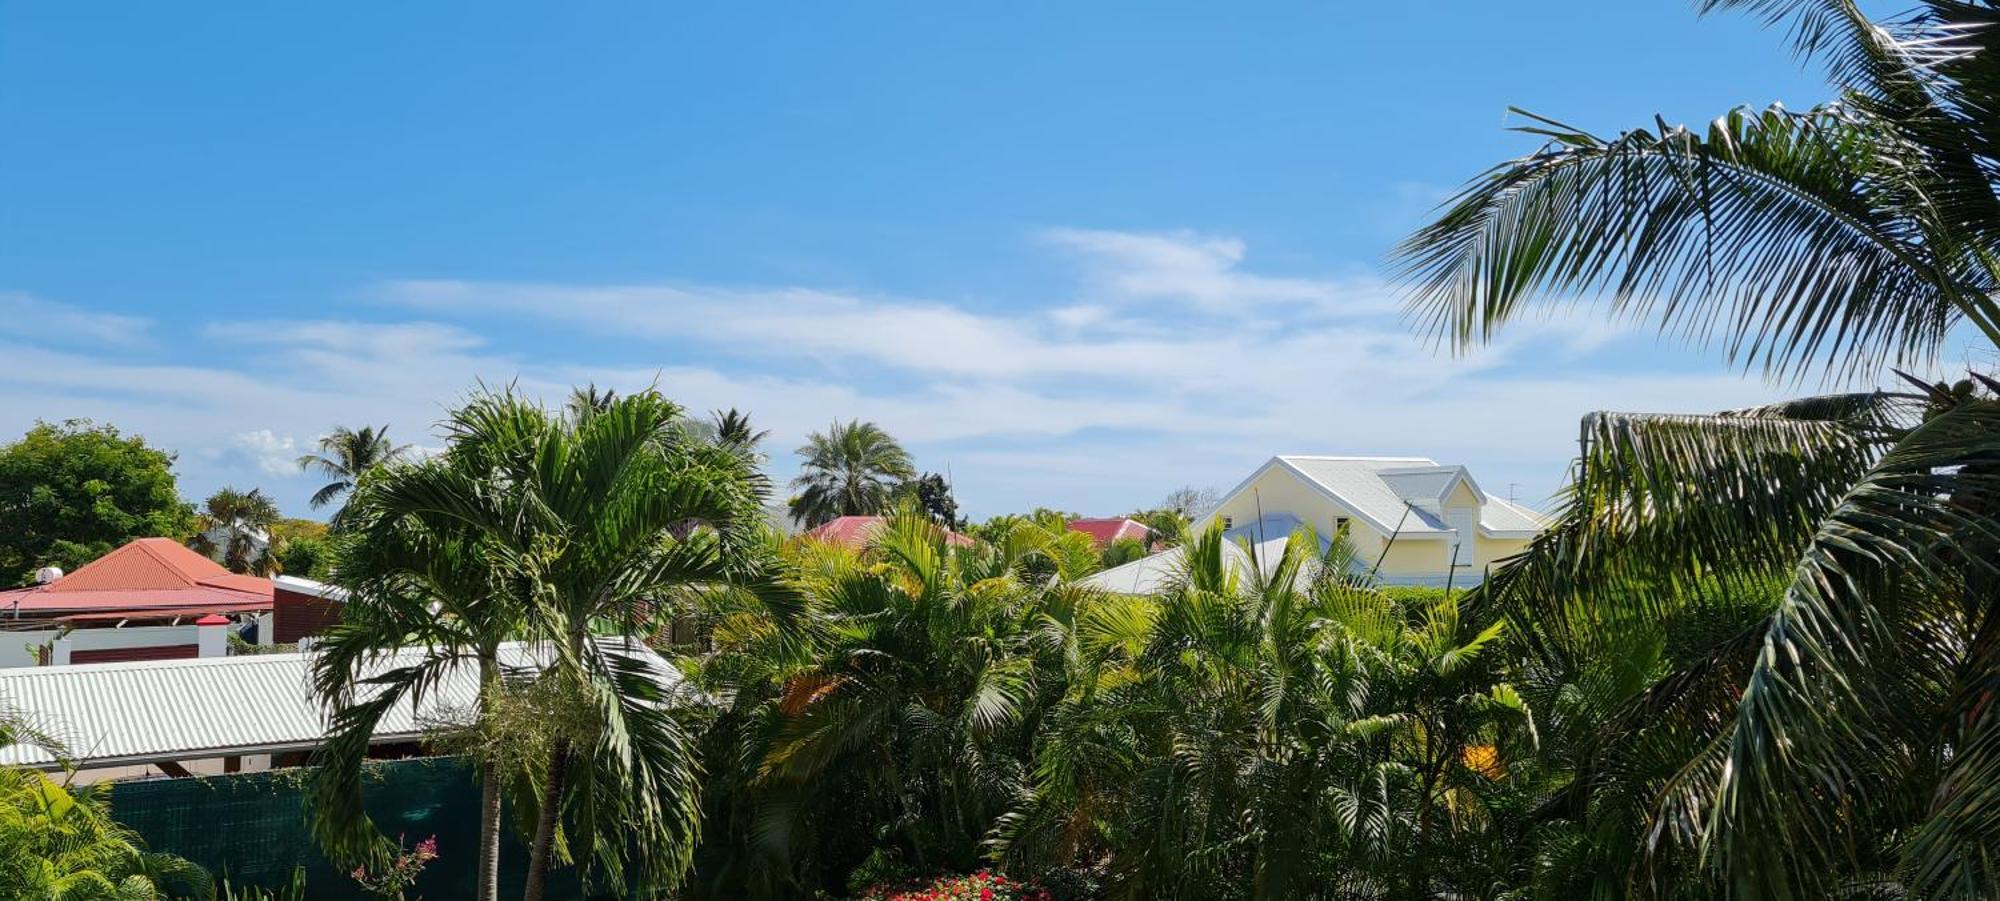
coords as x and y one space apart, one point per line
415 577
851 469
344 454
1844 737
235 530
588 514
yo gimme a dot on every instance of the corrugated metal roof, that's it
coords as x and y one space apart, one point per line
114 713
1105 531
1149 575
139 576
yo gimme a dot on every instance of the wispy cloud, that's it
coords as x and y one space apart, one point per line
1205 272
42 321
1173 361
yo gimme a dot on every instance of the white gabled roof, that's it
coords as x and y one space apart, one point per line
1384 493
108 714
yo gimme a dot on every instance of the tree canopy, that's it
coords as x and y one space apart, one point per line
851 469
73 491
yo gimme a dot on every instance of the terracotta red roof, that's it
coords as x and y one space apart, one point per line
854 532
143 577
1104 531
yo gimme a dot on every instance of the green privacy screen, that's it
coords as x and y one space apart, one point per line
251 827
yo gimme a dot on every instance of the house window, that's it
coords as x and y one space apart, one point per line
1339 526
1228 523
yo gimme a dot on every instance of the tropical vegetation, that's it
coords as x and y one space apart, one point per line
851 469
553 527
1805 593
58 841
70 492
234 528
344 456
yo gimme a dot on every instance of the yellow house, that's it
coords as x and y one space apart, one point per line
1411 520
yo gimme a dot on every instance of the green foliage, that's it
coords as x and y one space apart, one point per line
932 494
235 529
293 890
70 493
1270 737
306 557
1767 635
551 527
851 469
980 886
1121 552
60 843
893 729
346 455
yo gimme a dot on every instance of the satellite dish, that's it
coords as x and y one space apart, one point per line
48 574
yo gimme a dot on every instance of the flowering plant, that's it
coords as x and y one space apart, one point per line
401 873
981 886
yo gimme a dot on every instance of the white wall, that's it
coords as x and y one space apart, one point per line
16 648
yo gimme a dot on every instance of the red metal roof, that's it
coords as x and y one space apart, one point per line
143 577
854 532
1104 531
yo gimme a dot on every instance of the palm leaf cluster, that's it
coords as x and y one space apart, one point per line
1301 734
889 729
1764 640
58 840
554 528
851 469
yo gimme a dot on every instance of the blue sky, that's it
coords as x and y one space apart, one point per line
1078 254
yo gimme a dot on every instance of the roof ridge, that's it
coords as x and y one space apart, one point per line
1359 458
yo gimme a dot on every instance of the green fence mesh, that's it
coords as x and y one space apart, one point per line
251 827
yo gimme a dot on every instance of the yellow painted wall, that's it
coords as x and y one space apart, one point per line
1282 492
1492 550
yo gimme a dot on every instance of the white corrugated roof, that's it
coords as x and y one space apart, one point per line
1149 575
113 713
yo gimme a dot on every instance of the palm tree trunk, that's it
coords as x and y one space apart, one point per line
489 789
552 799
545 823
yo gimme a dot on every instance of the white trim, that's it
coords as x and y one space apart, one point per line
296 585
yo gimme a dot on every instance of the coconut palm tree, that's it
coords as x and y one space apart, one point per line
1844 737
851 469
344 454
588 515
235 530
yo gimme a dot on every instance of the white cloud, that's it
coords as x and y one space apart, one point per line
47 322
1204 272
1172 365
275 455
